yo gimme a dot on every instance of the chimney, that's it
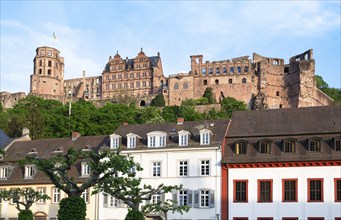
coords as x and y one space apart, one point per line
75 135
25 131
180 121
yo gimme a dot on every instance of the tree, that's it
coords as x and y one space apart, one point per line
149 114
209 95
158 101
320 83
103 164
229 105
165 207
23 197
334 93
131 191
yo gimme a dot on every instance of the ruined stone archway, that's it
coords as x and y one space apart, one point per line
142 103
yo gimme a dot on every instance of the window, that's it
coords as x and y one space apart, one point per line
85 195
114 141
4 171
264 218
216 81
264 190
240 218
156 199
210 71
264 147
42 191
240 148
203 71
290 218
185 85
244 80
29 171
204 167
131 140
246 69
132 75
230 81
156 168
55 195
156 139
137 84
49 63
315 218
85 169
205 82
151 141
49 53
289 190
337 144
137 75
176 86
183 198
204 137
224 70
231 70
315 190
217 71
204 198
131 85
112 201
183 138
289 146
337 189
240 193
144 75
183 168
119 76
314 145
239 69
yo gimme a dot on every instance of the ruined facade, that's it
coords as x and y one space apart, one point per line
261 83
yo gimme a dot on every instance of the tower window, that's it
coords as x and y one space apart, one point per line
49 63
49 72
205 82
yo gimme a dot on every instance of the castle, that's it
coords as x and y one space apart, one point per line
262 82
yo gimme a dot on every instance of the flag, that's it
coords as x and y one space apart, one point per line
54 36
70 107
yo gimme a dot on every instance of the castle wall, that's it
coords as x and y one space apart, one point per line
8 100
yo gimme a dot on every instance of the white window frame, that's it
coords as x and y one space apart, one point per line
156 139
203 167
183 198
4 172
30 171
85 169
204 198
56 195
183 167
131 140
156 168
155 199
112 201
205 137
183 138
114 141
41 190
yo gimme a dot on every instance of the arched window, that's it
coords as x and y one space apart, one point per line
137 75
176 86
205 82
240 147
217 71
211 70
40 63
185 85
239 69
246 69
216 81
244 80
203 71
231 69
265 147
224 70
230 81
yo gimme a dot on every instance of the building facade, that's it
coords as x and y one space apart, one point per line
283 164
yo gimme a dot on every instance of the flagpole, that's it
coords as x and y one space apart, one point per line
70 113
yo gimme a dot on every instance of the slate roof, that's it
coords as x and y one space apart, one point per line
277 125
217 127
4 139
45 148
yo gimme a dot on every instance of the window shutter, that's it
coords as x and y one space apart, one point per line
162 197
190 198
105 200
211 198
175 197
120 204
196 199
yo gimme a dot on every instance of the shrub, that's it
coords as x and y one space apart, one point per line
134 215
25 215
72 208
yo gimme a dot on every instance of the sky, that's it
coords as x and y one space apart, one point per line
88 32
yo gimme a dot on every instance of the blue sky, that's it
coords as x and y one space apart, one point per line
88 32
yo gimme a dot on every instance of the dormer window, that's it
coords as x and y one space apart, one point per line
29 171
156 139
241 148
314 145
337 144
183 138
85 169
289 146
58 150
265 147
33 151
205 137
4 172
114 141
131 140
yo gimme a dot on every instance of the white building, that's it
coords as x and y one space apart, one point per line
283 164
187 153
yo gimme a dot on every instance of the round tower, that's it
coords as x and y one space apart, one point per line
47 79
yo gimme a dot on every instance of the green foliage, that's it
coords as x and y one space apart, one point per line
23 197
229 105
171 113
209 95
193 102
25 215
320 83
134 215
334 93
165 207
158 101
149 115
72 208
